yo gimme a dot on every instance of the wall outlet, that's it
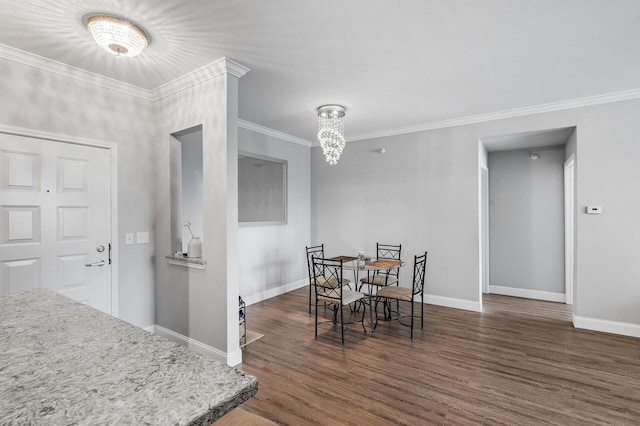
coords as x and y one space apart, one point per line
128 238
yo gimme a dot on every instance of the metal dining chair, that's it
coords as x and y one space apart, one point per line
315 251
402 294
386 277
326 274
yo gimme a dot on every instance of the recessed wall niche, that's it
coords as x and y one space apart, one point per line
186 187
262 190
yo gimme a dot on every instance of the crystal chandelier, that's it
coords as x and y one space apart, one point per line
117 35
331 131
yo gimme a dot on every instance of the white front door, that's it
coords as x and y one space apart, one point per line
55 219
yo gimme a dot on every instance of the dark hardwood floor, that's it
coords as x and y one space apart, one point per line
520 362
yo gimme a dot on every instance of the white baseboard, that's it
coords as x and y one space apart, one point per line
527 293
615 327
150 328
449 302
234 358
273 292
197 346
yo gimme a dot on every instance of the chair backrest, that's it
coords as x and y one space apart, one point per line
388 251
419 272
313 251
392 252
331 272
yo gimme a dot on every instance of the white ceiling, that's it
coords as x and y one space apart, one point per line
392 64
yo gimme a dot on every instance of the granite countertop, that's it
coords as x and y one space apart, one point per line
62 362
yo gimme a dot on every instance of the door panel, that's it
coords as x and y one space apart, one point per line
54 213
72 223
74 276
19 275
22 171
19 224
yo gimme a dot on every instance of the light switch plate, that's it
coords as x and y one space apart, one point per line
142 237
128 238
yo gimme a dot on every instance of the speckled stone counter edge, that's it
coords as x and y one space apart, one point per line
62 362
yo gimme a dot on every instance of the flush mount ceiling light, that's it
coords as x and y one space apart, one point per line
331 131
117 35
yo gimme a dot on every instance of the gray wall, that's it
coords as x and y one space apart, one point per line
272 258
198 303
423 193
48 102
526 215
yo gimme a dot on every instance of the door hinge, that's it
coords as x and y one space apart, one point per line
109 253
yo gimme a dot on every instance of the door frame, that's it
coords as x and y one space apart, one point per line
113 182
569 228
484 224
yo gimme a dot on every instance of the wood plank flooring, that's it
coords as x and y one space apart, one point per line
520 362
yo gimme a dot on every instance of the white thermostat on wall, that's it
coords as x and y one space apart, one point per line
594 209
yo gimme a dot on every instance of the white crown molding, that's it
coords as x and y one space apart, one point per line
236 69
197 76
49 65
206 72
226 65
274 133
499 115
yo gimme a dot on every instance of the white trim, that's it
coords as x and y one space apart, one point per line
150 328
569 228
449 302
187 264
55 67
274 133
500 115
483 209
268 294
192 344
234 358
197 76
204 73
527 293
233 68
605 326
115 252
113 161
56 137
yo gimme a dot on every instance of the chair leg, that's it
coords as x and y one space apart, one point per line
411 318
310 298
375 308
364 310
341 324
387 309
421 314
316 316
